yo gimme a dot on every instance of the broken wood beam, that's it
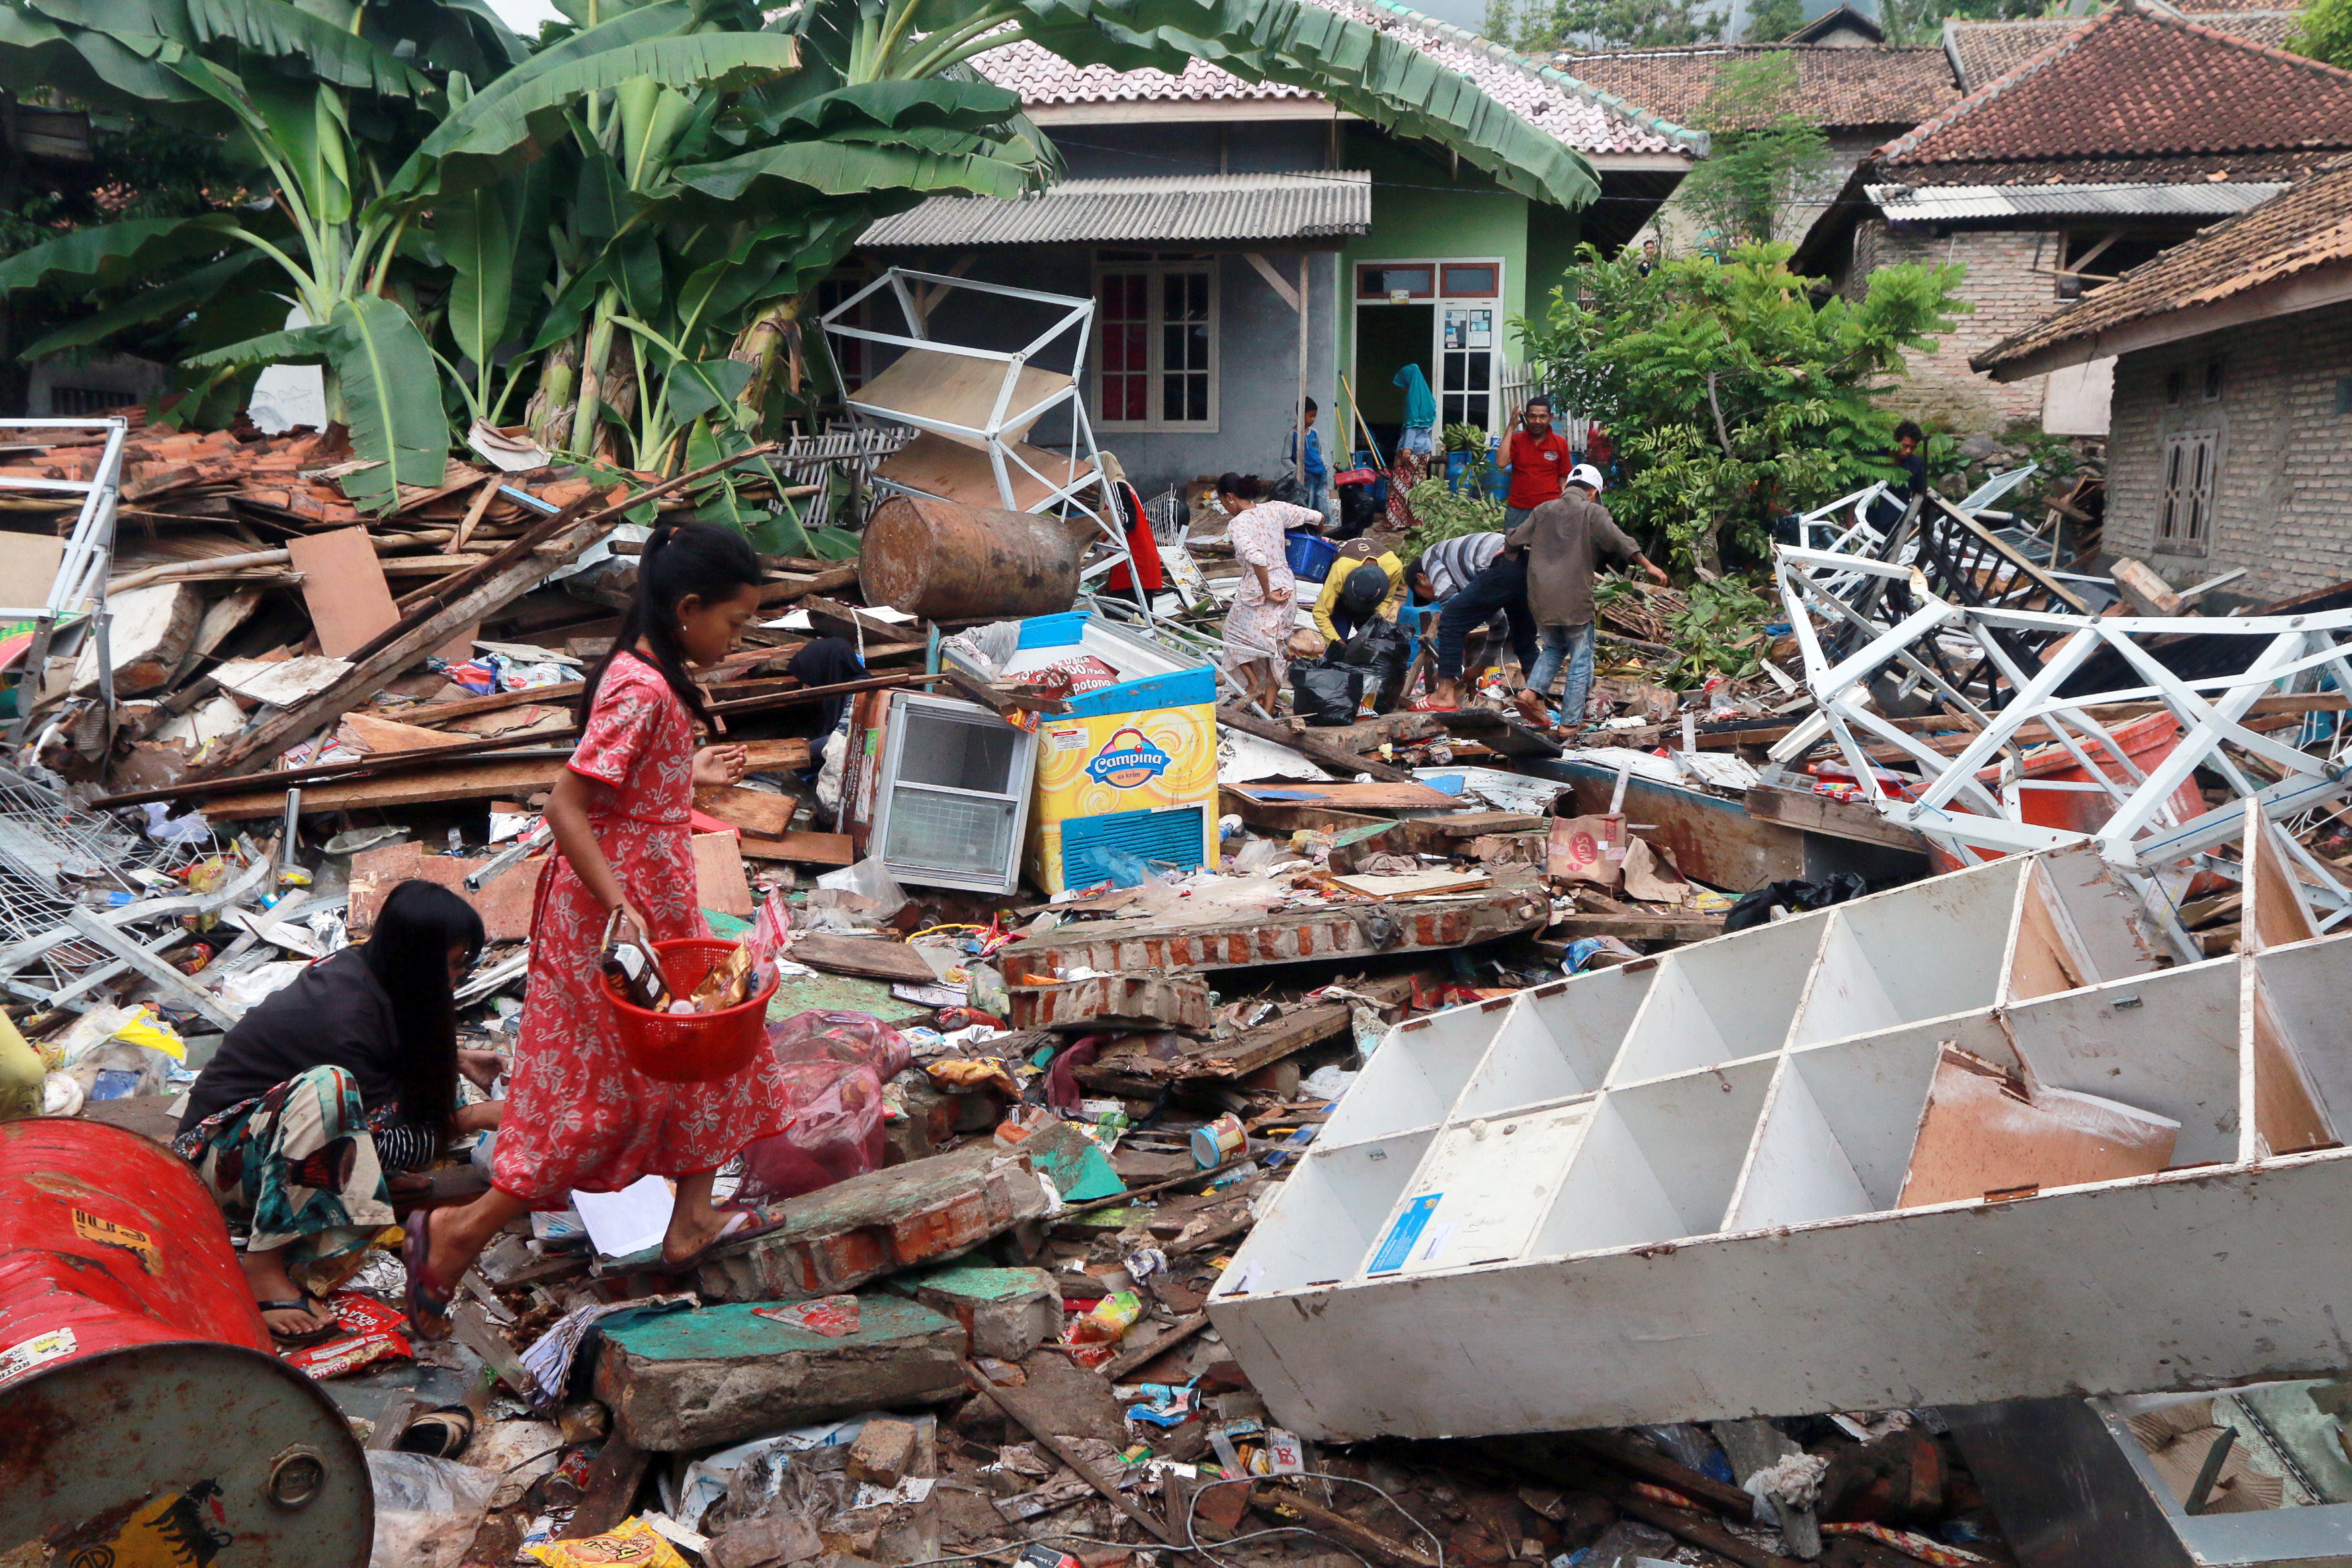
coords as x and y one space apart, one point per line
1699 1530
1289 1507
1303 742
463 599
609 1494
1036 1426
1653 1466
1127 1360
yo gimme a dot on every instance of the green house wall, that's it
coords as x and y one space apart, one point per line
1423 207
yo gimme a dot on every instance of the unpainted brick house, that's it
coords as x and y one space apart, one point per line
2118 139
2232 442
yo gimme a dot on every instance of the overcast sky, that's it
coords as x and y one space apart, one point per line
524 16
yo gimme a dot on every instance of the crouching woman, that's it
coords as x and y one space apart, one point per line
329 1092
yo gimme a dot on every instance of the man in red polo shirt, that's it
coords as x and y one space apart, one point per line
1538 460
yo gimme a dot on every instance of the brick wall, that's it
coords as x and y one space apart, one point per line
2009 295
2283 478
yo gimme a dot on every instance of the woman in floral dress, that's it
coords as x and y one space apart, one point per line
1258 627
578 1115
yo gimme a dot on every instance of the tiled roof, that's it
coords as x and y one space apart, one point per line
2277 168
1878 85
1040 77
1981 52
1179 209
2137 83
2308 228
1577 115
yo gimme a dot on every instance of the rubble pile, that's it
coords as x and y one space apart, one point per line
1051 1080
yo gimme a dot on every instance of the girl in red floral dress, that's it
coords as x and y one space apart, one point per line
577 1114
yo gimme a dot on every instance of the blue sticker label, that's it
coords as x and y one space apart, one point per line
1403 1234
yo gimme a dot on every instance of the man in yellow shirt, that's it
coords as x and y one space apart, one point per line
1332 617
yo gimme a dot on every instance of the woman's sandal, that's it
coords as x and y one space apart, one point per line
428 1309
744 1221
301 1339
440 1434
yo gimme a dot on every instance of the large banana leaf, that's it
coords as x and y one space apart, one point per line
1377 75
110 253
294 346
477 235
129 71
328 53
392 396
503 125
164 303
964 105
773 178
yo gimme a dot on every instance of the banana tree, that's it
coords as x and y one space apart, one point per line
313 96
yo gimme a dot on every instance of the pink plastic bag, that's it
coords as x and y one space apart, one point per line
834 1064
841 1037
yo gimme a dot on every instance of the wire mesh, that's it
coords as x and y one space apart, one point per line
50 851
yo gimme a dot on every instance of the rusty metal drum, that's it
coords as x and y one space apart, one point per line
948 561
143 1415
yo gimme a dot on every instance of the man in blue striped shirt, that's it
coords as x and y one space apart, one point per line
1474 583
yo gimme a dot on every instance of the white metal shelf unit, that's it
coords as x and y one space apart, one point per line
82 570
984 402
1670 1191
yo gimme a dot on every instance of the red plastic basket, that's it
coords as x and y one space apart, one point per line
690 1048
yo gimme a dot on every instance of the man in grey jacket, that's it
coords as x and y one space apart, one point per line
1562 539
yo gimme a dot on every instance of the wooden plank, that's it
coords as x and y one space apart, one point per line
482 781
379 736
1837 819
753 811
1225 1060
1288 1507
343 588
1670 927
609 1495
719 881
1507 736
870 957
800 848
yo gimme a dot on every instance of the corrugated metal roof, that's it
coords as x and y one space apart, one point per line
1179 209
1944 203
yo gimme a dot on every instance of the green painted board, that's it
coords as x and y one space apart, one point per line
733 1330
975 1280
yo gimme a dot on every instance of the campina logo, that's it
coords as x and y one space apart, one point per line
1127 760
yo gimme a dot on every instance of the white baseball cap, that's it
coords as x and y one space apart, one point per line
1587 474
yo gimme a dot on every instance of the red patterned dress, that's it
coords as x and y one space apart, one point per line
578 1115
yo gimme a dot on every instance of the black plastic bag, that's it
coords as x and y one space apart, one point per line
1325 694
1794 895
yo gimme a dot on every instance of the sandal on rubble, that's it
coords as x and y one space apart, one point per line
301 1339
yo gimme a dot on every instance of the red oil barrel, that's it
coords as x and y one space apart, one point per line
143 1415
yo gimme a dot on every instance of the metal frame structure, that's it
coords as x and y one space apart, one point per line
998 433
2141 832
82 572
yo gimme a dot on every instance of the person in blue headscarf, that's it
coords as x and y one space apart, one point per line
1420 411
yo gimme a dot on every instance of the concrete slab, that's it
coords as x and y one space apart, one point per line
1007 1313
843 1234
723 1374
